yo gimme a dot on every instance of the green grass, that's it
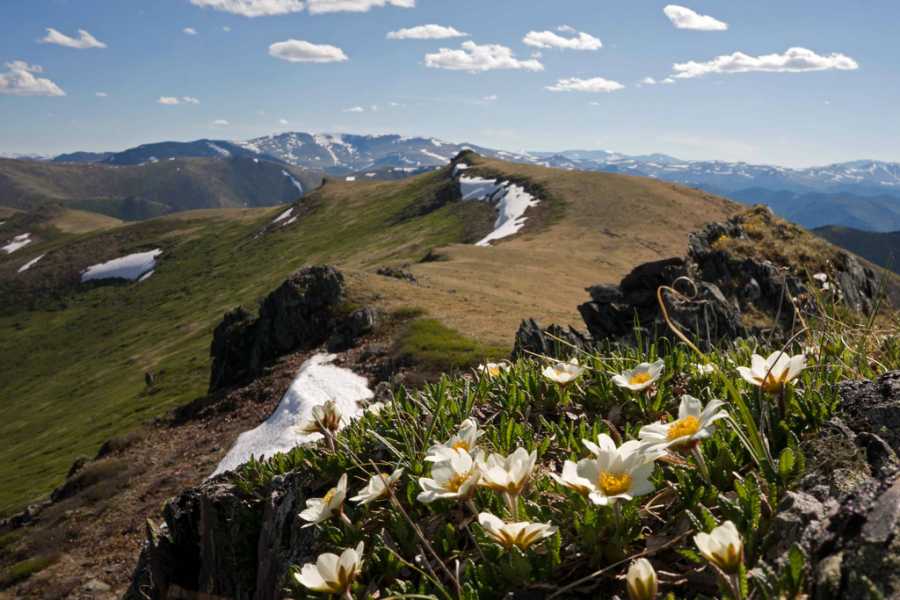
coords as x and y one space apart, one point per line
435 347
72 368
23 570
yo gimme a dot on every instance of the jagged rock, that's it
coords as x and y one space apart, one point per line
302 313
846 516
555 341
357 324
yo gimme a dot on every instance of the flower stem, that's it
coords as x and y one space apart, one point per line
735 584
701 463
512 502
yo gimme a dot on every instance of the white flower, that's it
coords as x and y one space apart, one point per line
722 546
772 373
694 423
465 439
571 479
617 473
322 509
641 580
377 488
563 373
641 377
325 419
332 574
507 474
456 477
705 369
521 535
493 369
820 277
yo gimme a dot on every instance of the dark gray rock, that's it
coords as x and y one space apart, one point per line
555 341
397 273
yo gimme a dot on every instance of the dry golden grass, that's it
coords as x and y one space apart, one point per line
79 221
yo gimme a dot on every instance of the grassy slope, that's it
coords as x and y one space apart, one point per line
72 368
138 192
881 248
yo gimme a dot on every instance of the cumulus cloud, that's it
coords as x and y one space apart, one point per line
253 8
83 41
220 123
20 80
684 18
474 59
648 81
190 31
668 81
355 109
305 52
595 85
328 6
566 29
549 39
174 100
426 32
794 60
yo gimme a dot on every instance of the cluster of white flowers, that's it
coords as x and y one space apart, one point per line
610 474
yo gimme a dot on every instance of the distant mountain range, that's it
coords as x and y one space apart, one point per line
860 194
883 249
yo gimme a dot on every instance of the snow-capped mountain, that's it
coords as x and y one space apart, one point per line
348 153
863 177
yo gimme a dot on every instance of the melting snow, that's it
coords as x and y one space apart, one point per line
130 267
293 180
284 215
20 241
30 263
222 151
510 199
367 175
317 382
350 178
459 167
435 156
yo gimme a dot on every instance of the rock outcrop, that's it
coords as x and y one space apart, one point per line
555 341
307 310
846 513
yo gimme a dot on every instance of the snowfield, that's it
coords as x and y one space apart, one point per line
510 200
130 267
317 382
17 243
30 263
284 215
294 181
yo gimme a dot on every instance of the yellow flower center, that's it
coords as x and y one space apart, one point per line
640 378
456 482
683 427
330 495
461 445
772 384
493 371
613 484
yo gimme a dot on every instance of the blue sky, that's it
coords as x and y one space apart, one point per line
838 101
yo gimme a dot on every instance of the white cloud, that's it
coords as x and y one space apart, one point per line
426 32
648 81
474 59
594 85
301 51
668 81
549 39
253 8
102 95
355 109
491 98
327 6
174 100
794 60
20 80
282 121
566 29
190 31
84 40
220 123
684 18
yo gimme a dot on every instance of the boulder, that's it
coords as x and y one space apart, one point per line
555 341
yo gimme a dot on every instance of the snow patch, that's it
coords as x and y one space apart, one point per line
284 215
459 167
30 263
293 180
130 267
435 156
317 382
222 151
18 242
510 200
350 178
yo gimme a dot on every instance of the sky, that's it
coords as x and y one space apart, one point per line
795 83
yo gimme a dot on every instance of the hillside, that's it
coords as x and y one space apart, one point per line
589 228
154 188
880 248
